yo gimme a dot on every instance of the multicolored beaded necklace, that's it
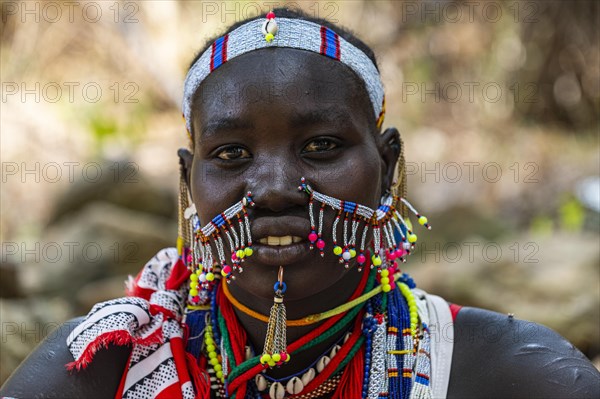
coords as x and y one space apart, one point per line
385 352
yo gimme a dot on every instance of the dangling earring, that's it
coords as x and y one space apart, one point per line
183 226
275 348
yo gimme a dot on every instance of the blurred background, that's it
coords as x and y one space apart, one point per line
497 103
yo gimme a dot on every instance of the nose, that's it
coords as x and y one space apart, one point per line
274 185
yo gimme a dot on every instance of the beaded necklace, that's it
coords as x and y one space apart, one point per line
388 335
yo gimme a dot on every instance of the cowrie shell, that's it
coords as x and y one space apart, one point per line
308 376
334 351
261 382
277 391
294 386
324 361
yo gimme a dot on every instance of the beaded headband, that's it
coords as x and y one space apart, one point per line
290 33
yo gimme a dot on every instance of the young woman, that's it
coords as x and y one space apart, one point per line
291 177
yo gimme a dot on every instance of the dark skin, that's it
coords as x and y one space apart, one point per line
264 144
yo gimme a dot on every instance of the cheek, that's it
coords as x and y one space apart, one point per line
210 192
356 178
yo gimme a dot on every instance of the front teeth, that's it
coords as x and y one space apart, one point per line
278 241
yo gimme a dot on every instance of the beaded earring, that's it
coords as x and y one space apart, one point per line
275 352
209 240
385 222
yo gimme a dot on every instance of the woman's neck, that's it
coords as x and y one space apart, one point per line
336 295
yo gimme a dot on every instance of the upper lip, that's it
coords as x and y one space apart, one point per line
279 226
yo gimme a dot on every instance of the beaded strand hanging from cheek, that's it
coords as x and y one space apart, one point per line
210 240
385 222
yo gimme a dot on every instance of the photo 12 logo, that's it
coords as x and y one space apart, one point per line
70 11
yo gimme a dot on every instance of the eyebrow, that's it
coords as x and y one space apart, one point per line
213 127
331 115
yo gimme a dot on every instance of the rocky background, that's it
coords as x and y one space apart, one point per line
497 102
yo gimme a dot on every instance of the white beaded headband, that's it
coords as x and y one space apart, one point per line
290 33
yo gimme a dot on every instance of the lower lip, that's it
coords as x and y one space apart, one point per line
280 255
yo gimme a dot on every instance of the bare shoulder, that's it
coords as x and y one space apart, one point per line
43 373
496 355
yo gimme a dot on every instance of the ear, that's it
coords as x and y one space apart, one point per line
185 161
389 148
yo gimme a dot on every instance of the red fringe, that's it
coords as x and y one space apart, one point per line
179 274
199 377
351 382
119 338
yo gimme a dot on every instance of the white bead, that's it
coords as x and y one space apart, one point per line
272 27
346 255
294 386
261 382
334 351
202 278
277 391
308 376
324 361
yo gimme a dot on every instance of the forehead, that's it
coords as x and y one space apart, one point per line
283 82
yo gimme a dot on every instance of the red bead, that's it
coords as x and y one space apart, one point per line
270 15
320 244
312 237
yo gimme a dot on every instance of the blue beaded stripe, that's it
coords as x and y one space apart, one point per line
395 320
350 207
219 55
422 380
330 45
219 220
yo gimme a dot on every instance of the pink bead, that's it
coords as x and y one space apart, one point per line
361 259
283 356
189 258
312 237
400 252
391 255
320 244
270 15
227 269
233 257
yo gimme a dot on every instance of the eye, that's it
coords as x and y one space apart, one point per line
320 145
233 152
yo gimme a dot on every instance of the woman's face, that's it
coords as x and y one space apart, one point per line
261 122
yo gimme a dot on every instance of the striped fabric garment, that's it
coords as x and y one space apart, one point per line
150 321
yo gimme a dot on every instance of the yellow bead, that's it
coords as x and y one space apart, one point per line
265 358
385 281
386 288
210 348
223 273
269 37
214 361
337 250
219 374
199 271
240 253
210 276
248 251
385 273
212 355
218 367
193 292
352 253
412 238
422 220
287 359
376 260
194 277
271 363
276 357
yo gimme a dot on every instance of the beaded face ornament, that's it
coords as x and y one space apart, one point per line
231 227
386 224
